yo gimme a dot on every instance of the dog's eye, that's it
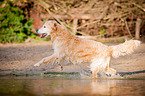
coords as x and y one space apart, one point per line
44 26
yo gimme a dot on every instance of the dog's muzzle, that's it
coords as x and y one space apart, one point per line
37 30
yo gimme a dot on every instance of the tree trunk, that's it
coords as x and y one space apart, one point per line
75 22
137 29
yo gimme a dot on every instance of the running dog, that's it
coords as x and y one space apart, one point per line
78 50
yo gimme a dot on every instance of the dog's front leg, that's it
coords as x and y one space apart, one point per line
46 59
94 73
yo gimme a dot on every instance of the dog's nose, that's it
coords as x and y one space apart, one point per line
37 30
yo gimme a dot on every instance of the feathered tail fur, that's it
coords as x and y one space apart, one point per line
126 48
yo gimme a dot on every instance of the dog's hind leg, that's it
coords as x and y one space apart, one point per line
99 65
111 71
46 60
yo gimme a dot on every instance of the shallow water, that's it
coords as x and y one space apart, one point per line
70 86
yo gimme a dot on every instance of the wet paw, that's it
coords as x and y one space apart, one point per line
113 75
108 74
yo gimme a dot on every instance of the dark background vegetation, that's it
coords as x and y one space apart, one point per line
92 19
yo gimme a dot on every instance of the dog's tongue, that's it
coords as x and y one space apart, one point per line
43 35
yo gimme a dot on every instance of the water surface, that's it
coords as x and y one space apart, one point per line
70 86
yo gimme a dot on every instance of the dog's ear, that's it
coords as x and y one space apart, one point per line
55 26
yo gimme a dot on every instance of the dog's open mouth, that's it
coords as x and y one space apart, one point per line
43 35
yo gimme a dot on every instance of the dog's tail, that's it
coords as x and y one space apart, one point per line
126 48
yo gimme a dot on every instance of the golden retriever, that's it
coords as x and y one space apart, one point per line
78 50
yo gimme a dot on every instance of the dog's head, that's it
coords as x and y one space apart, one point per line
47 28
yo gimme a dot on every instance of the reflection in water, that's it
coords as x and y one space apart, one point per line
119 87
86 87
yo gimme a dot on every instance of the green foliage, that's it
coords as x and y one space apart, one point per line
123 40
14 27
102 31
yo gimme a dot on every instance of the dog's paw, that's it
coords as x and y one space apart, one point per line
36 65
108 74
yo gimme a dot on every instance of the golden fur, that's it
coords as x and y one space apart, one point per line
78 50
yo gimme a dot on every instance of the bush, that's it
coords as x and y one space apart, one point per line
14 27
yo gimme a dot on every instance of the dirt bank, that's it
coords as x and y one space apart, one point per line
20 58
